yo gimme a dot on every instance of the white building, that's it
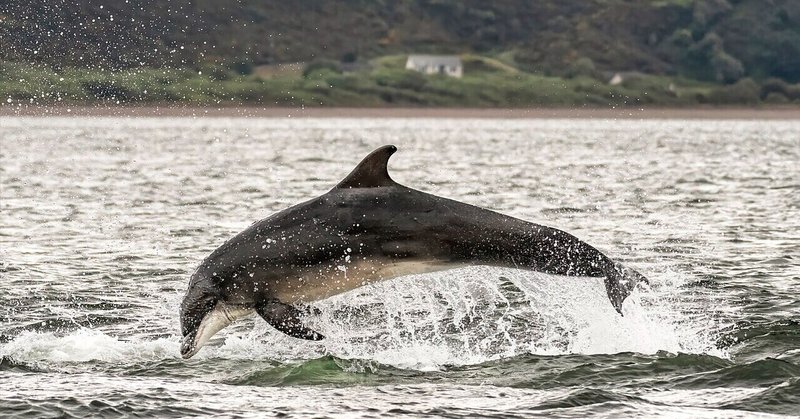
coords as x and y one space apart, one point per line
436 64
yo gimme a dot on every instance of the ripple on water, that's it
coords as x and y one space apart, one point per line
103 219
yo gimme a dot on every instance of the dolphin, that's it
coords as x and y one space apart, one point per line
366 229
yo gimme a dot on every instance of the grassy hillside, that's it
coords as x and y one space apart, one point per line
487 82
516 52
719 40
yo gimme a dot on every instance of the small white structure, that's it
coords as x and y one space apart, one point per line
436 64
623 76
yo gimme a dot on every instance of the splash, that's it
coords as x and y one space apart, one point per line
85 345
427 322
475 315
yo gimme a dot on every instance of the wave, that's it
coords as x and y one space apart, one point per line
83 346
782 398
749 337
126 396
8 364
555 338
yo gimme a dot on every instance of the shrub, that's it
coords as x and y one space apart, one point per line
773 85
401 79
316 67
681 38
243 67
727 69
744 91
793 91
583 66
776 98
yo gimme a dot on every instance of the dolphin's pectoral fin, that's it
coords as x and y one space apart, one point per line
286 318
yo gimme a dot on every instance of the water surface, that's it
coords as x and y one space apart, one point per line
102 219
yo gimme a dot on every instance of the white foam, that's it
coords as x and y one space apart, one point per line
86 345
563 316
424 322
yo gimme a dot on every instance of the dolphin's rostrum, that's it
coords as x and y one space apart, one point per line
369 228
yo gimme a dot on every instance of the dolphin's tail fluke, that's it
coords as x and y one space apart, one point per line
620 282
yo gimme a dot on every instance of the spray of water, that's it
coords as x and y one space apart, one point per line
425 322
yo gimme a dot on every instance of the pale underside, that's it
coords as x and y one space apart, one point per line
340 278
315 286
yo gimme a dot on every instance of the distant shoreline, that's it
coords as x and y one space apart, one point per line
341 112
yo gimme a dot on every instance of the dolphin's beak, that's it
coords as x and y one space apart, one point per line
216 320
188 348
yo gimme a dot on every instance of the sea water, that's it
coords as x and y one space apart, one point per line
102 219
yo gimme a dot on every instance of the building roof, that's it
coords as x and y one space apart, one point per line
435 60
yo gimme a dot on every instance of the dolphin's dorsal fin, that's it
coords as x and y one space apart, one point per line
372 171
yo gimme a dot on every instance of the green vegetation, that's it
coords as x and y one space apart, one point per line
352 52
487 83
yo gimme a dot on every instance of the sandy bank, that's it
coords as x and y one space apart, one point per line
601 113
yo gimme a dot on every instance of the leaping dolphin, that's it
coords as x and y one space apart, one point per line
366 229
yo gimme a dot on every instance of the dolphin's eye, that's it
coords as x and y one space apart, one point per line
209 305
